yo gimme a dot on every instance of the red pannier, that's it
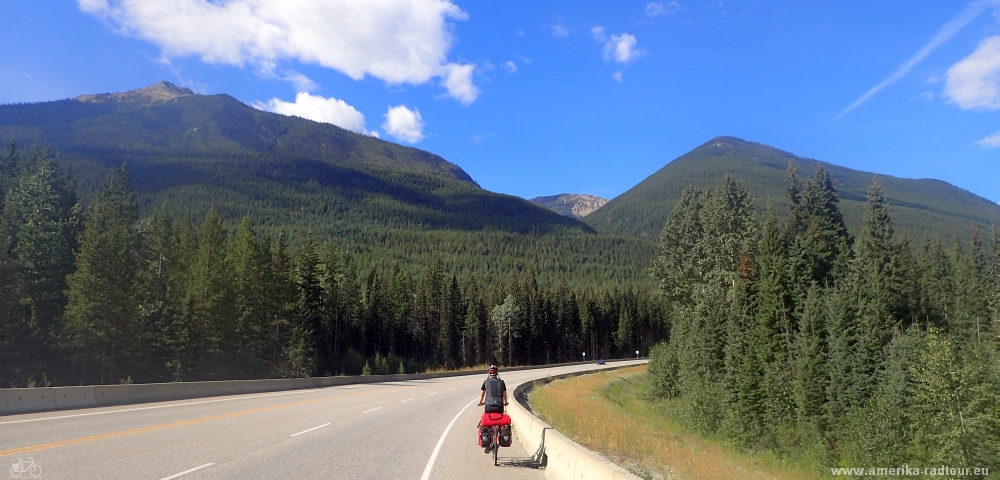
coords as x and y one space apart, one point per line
491 419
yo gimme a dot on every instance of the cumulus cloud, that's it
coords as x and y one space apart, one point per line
459 84
560 30
621 48
404 124
974 82
617 76
510 67
992 141
319 109
655 9
397 41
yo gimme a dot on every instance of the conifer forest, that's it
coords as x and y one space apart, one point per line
852 348
98 295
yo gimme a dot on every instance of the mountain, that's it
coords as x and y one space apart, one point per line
384 203
571 204
196 152
921 206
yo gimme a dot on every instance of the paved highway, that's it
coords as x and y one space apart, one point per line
424 429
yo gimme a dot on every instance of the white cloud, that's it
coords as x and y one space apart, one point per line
992 141
598 34
301 82
459 84
655 9
948 30
621 48
617 76
480 138
510 67
927 96
397 41
560 30
319 109
404 124
974 82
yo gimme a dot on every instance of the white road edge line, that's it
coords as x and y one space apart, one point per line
437 448
407 400
185 472
434 393
372 410
307 431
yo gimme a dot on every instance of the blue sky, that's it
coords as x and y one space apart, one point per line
539 98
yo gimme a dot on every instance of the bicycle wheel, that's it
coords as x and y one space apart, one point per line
35 471
496 444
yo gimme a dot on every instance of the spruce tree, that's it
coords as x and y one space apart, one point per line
103 291
249 260
770 338
44 218
874 287
162 289
210 307
811 376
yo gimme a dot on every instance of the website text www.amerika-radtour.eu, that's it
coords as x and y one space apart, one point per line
908 471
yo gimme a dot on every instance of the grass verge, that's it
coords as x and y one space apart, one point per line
607 413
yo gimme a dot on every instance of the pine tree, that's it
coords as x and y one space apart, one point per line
10 322
44 219
162 291
250 261
771 336
310 298
811 376
103 291
210 306
826 238
678 268
874 289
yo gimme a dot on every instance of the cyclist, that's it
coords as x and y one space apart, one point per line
494 392
494 395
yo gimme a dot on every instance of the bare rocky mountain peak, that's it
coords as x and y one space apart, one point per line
154 94
576 205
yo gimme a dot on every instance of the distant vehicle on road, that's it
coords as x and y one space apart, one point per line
600 361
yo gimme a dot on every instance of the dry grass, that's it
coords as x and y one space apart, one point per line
483 367
602 412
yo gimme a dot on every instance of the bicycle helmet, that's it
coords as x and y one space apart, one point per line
494 370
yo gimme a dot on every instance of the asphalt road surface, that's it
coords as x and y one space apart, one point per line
423 429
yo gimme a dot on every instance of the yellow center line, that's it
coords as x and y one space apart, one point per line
102 436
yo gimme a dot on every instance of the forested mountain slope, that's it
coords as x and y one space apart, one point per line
921 206
195 152
384 203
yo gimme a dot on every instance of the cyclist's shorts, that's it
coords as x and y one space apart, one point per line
494 409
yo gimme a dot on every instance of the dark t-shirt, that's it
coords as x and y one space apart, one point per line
494 388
